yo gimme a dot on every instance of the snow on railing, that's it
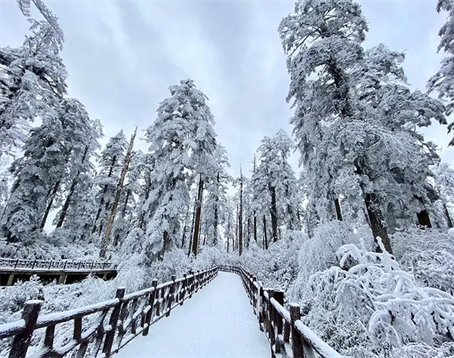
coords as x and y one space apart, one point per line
54 264
286 333
102 328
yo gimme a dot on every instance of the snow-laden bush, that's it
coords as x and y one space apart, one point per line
369 307
319 253
428 254
211 256
276 267
12 298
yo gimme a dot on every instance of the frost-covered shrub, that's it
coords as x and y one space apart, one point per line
319 253
428 254
368 306
12 298
276 267
211 256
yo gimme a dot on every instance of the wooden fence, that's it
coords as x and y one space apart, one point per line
286 333
52 264
104 327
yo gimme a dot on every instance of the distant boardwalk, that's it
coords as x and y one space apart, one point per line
13 270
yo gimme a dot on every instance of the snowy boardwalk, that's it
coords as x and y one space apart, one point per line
218 321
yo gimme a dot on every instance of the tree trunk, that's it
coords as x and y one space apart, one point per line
198 214
123 214
65 208
49 205
338 209
424 219
185 227
265 234
216 217
142 213
255 228
101 203
248 233
376 221
273 212
124 171
235 238
240 218
192 228
448 217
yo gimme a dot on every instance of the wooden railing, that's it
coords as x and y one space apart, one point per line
52 265
104 327
284 329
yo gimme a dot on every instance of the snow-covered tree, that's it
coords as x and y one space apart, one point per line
51 162
215 205
111 162
323 42
443 81
126 219
52 20
444 184
182 142
395 155
273 189
32 82
353 109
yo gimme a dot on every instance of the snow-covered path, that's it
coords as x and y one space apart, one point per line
216 322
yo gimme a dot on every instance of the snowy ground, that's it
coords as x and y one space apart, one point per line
216 322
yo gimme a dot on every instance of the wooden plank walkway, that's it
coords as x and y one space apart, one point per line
218 322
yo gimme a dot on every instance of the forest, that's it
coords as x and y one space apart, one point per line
361 235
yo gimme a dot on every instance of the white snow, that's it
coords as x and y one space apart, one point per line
217 321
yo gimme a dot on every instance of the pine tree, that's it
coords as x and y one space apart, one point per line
111 163
444 184
347 115
443 81
129 206
216 201
52 20
273 189
32 82
182 143
116 199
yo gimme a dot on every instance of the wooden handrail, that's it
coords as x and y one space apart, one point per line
129 316
283 328
52 264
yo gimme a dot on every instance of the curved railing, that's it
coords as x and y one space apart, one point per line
285 331
104 327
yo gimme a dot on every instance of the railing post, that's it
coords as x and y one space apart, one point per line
171 295
279 297
270 321
113 323
149 315
21 342
260 307
297 343
184 289
254 296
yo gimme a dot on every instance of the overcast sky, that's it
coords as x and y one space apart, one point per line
123 55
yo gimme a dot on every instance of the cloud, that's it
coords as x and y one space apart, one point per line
123 55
